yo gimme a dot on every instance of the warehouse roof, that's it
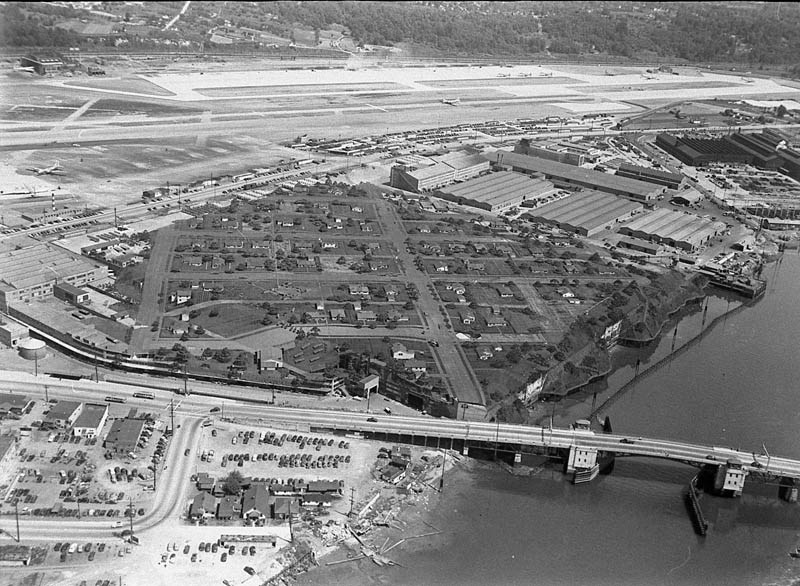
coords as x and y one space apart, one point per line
649 172
586 209
497 188
38 264
124 433
673 226
62 410
596 179
91 416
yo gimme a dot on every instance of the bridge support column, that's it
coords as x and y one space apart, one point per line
465 449
581 458
788 489
517 458
729 479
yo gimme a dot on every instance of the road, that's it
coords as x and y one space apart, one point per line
171 493
459 376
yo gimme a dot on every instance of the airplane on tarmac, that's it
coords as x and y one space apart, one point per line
51 170
451 101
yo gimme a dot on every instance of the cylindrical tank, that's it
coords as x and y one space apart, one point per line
31 349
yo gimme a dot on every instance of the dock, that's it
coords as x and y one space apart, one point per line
695 512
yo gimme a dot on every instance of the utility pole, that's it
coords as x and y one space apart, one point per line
172 416
352 499
16 516
46 398
185 381
131 513
96 373
496 437
155 470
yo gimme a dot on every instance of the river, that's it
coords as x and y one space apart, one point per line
739 387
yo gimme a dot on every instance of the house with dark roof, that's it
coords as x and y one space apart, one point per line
283 506
205 482
324 486
203 506
316 499
229 507
256 502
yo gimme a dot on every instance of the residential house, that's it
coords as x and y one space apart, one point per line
400 352
359 291
366 315
316 317
504 291
564 292
229 507
338 315
181 296
203 506
416 366
284 506
467 318
391 292
442 268
256 502
205 482
195 261
316 499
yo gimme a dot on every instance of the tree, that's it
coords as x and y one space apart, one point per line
233 483
781 111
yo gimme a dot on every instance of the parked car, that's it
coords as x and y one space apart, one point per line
250 570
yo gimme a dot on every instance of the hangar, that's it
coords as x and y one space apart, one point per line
684 231
497 192
586 212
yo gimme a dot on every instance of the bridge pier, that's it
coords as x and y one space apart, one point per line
788 489
729 478
582 463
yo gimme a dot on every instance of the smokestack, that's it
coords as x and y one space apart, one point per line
53 200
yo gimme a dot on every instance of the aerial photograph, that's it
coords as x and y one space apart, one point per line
423 293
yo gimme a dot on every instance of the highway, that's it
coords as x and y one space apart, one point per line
173 483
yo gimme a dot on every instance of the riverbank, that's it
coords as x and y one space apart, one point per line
396 522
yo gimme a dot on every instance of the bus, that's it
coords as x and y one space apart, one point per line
143 395
114 400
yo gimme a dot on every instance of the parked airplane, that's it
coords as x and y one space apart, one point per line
451 101
51 170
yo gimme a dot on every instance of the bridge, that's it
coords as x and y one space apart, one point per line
581 446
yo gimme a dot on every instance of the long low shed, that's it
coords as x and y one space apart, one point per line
571 175
684 231
586 212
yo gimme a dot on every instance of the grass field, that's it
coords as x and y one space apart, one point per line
125 84
111 106
258 90
497 81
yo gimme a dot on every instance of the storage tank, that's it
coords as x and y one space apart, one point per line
32 349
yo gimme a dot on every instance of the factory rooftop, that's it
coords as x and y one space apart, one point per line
686 231
577 176
32 265
498 191
586 212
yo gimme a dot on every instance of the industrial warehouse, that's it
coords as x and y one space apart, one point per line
766 150
565 175
449 168
586 212
32 271
497 192
685 231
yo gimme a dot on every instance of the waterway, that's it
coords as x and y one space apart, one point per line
738 386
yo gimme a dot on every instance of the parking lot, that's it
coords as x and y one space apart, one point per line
56 474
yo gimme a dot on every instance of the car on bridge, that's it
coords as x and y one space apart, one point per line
371 420
625 440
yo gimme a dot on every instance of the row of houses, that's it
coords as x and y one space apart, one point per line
261 500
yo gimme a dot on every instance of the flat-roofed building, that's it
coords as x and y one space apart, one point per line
685 231
9 446
586 212
91 420
566 175
497 192
70 293
11 404
665 178
31 272
124 435
42 64
447 169
64 413
12 333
